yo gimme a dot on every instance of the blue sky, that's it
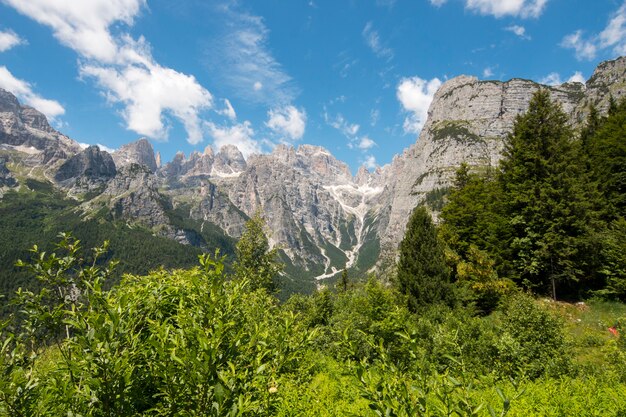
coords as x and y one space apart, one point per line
354 76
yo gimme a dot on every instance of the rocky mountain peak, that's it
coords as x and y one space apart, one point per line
139 152
91 164
8 102
229 160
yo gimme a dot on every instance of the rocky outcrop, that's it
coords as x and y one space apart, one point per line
6 177
139 152
26 130
91 164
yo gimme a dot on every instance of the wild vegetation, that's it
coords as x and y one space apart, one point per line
461 329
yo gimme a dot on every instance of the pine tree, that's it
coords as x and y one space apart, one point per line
256 262
548 203
422 271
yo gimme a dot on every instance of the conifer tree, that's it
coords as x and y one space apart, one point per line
422 271
255 260
548 204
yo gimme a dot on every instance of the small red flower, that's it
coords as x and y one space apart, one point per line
614 331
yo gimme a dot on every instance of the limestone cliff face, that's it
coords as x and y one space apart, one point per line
139 152
467 121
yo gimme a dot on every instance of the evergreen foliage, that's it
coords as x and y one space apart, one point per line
422 273
547 203
256 262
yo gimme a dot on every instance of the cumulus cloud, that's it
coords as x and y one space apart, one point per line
82 25
577 77
241 135
24 91
122 66
372 39
287 121
500 8
9 39
415 95
241 60
612 37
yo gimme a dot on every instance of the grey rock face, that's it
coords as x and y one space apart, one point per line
91 163
26 130
6 178
139 152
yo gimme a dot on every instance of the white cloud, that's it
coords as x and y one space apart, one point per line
585 50
612 37
123 67
104 148
500 8
518 30
82 25
374 116
438 3
365 143
415 95
488 72
148 92
554 79
288 121
241 60
551 79
369 162
228 110
240 135
9 39
577 77
24 91
340 123
372 39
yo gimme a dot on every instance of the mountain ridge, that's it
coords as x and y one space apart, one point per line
322 217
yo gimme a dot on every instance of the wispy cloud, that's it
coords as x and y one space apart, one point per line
228 110
9 39
612 37
488 72
121 66
24 91
372 39
241 60
415 95
518 30
340 123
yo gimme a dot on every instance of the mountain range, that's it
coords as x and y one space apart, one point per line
322 217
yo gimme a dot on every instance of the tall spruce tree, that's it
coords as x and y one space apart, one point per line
256 262
548 202
422 272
